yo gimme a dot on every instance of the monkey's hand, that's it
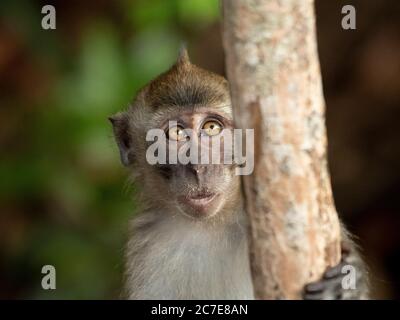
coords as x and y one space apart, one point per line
346 281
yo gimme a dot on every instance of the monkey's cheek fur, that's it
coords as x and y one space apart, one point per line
200 206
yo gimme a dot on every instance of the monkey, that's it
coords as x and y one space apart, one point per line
189 238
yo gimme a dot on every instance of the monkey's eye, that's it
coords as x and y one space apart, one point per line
176 133
212 128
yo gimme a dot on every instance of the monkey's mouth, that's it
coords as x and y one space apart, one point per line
199 201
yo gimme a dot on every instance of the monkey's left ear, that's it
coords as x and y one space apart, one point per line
120 123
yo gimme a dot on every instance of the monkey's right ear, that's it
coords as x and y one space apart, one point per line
120 123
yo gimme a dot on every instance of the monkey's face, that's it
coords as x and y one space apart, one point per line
198 175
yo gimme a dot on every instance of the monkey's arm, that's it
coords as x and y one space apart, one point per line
330 286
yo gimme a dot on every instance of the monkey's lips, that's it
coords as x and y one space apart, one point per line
200 203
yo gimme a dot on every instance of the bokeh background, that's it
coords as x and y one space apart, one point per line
64 197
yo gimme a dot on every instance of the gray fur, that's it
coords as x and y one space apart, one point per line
176 257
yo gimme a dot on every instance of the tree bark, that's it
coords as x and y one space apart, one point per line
276 89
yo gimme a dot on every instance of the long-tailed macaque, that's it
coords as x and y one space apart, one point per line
189 239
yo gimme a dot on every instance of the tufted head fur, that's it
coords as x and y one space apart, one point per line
186 85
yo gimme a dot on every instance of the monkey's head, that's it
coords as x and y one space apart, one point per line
185 104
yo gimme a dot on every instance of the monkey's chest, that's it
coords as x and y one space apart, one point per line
207 269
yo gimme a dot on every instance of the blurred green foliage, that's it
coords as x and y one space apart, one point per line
64 199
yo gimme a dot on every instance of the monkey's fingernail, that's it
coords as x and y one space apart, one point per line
315 286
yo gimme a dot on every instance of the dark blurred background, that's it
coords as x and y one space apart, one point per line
64 197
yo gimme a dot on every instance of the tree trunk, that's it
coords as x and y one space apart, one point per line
273 70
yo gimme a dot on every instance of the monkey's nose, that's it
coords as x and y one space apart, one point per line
197 170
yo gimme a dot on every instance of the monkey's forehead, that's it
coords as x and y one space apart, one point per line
172 113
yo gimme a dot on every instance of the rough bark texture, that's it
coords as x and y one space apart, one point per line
273 69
